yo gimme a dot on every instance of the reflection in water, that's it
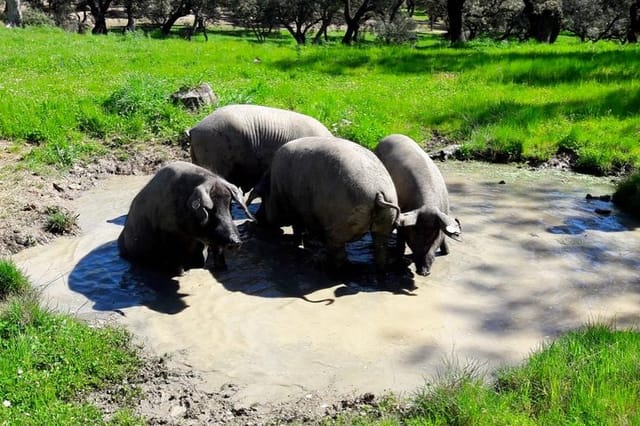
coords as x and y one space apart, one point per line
591 219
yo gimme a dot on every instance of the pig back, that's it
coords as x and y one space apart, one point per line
416 177
330 185
238 141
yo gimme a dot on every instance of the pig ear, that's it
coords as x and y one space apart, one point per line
451 227
409 218
199 203
238 197
261 189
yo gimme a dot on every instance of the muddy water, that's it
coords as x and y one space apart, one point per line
536 261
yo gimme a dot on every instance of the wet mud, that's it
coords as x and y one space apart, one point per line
538 259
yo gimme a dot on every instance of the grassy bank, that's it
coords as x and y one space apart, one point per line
49 362
587 377
65 97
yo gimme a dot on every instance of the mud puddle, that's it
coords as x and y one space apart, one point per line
537 260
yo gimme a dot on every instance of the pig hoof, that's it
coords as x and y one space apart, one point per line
423 272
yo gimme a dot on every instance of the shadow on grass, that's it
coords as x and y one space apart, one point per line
534 68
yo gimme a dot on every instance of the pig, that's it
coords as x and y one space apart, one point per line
182 209
423 199
238 141
334 189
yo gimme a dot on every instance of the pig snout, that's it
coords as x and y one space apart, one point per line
423 264
226 235
234 241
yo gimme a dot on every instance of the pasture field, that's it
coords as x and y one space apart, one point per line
65 97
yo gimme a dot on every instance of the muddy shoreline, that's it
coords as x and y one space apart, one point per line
173 392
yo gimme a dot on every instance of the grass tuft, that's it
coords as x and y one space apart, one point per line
61 221
12 280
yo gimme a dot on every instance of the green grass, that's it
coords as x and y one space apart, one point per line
12 280
66 97
586 377
48 361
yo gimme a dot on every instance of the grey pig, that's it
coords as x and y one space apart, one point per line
238 141
423 200
180 210
334 189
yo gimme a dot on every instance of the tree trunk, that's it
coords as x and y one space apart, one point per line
99 10
454 12
131 24
544 26
353 22
322 33
411 7
171 20
14 13
394 9
634 22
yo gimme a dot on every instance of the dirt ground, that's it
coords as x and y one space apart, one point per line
171 394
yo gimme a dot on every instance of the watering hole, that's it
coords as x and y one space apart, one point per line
536 261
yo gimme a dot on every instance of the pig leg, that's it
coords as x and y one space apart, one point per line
336 257
380 250
215 258
193 256
444 248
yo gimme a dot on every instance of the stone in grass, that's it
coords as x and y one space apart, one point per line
195 98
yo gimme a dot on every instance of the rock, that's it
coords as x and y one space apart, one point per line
195 98
446 152
178 411
603 212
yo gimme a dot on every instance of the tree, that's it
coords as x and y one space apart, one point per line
257 15
357 13
435 10
328 12
634 22
599 19
544 19
99 9
454 13
298 16
178 9
203 11
13 13
497 18
354 15
135 9
396 28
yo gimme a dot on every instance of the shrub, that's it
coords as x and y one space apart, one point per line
37 18
627 195
401 29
